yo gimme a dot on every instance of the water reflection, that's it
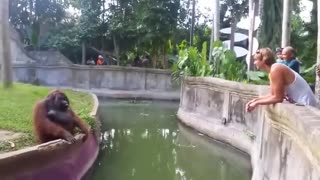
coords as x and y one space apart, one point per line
144 141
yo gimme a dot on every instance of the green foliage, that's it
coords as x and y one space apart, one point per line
115 27
192 63
33 18
257 77
224 63
158 23
89 20
238 8
17 103
309 73
303 38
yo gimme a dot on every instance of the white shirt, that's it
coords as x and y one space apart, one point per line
300 92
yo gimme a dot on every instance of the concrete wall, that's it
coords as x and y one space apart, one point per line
53 160
282 140
49 58
96 77
18 54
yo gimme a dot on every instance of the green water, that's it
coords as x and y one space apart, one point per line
144 141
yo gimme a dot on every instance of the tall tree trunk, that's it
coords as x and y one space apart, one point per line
259 7
6 68
192 22
103 21
164 58
83 53
215 27
252 12
287 7
233 29
116 49
317 88
271 22
216 20
154 57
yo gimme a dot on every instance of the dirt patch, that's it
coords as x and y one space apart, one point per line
9 135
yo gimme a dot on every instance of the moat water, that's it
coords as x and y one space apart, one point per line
143 140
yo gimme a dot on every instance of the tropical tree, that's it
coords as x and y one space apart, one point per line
6 68
158 24
215 34
287 9
271 19
34 18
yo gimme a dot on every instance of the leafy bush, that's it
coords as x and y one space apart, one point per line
191 62
223 64
257 77
309 73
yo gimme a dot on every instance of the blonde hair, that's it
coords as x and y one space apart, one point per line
266 55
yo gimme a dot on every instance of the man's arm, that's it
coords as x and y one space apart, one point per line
259 98
277 86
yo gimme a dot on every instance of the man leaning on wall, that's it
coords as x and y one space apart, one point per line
284 83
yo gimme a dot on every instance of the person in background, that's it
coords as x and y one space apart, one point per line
100 60
90 61
279 56
289 55
285 83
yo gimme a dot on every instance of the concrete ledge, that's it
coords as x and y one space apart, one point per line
301 124
95 67
53 160
282 140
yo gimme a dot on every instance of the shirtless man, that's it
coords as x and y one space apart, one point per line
283 82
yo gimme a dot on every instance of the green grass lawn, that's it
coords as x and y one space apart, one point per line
16 105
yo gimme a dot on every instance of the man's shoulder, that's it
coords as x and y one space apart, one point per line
278 66
294 61
281 61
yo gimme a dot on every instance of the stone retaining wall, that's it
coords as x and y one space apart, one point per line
282 140
96 77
